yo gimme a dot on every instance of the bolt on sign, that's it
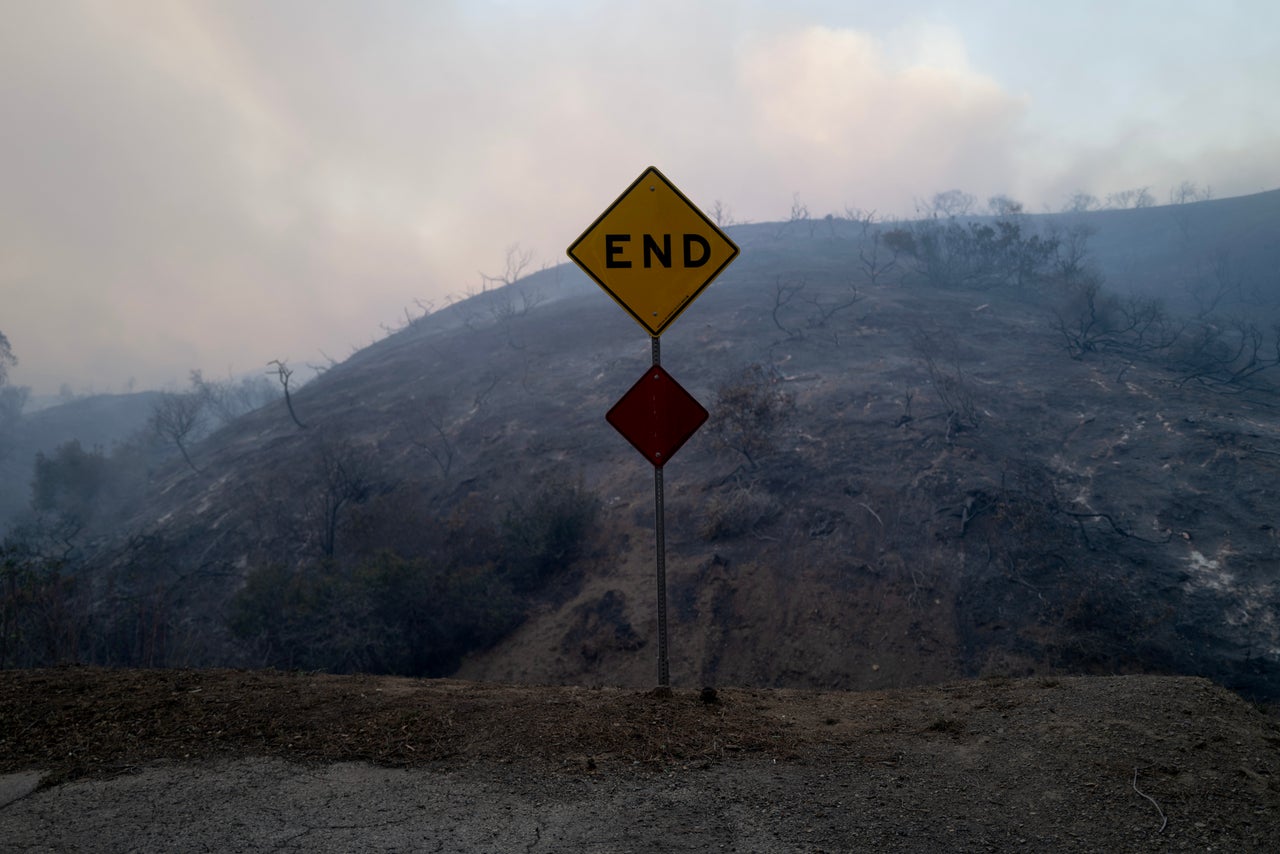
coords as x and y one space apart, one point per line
653 251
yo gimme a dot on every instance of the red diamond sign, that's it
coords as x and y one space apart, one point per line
657 416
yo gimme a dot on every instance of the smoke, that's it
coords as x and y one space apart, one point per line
217 184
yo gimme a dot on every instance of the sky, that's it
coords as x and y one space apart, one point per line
213 185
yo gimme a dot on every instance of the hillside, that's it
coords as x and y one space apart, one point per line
95 421
223 760
954 478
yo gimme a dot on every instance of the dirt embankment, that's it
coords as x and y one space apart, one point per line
1106 764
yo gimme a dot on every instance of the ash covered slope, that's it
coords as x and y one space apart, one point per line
961 477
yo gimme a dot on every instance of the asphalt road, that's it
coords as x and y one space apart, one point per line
271 805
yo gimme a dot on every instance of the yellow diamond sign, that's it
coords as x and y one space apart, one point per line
653 251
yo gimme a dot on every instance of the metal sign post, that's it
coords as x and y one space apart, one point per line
660 535
654 252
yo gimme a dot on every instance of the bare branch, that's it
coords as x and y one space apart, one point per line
721 214
783 294
284 372
178 418
517 261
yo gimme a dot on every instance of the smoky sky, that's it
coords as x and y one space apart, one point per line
217 184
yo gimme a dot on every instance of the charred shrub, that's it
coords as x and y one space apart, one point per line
736 511
1091 320
42 609
388 615
946 253
750 411
385 613
544 535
